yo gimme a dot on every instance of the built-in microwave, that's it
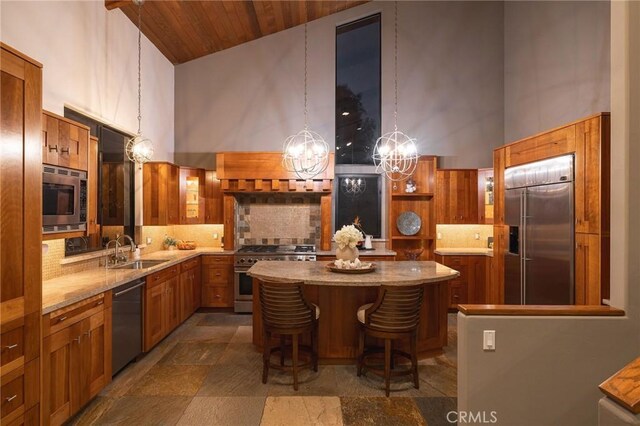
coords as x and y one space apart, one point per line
64 199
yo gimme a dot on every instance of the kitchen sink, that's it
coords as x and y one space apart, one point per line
140 264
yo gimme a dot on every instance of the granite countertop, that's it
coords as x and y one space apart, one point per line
464 251
362 253
387 272
68 289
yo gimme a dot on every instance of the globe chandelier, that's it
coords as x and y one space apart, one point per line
139 149
353 186
395 154
306 153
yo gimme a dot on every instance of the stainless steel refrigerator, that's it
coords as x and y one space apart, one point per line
538 264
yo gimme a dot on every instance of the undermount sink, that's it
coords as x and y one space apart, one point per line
140 264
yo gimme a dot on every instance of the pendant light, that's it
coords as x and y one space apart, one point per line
395 154
306 153
353 186
139 149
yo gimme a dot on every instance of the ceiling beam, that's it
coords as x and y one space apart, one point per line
115 4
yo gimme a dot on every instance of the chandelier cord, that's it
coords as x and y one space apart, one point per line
305 77
139 66
395 67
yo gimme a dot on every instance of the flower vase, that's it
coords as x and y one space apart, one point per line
347 253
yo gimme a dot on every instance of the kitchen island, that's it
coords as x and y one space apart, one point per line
340 295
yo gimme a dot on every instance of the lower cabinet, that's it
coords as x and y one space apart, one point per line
190 288
471 285
217 281
76 357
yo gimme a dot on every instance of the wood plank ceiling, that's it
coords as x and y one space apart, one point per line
186 30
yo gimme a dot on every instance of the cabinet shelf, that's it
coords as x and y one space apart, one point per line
413 195
411 237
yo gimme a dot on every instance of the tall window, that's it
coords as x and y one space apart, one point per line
357 90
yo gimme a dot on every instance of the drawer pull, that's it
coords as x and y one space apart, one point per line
100 302
11 398
9 347
62 319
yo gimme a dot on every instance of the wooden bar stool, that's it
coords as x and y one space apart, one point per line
285 312
394 315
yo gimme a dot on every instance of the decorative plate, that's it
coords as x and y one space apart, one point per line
370 268
409 223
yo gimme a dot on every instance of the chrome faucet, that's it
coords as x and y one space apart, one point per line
132 244
116 257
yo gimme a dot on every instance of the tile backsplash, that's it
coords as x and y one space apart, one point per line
459 236
278 219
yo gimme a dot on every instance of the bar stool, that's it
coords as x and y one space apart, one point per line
394 315
285 312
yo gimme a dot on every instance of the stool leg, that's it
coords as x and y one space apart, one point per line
392 363
281 350
360 360
266 354
294 356
414 362
314 347
387 365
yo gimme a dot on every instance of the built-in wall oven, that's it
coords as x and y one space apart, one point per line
64 199
246 256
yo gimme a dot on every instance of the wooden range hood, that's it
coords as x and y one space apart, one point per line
263 172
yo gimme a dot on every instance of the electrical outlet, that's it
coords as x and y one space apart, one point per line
215 235
477 236
489 340
439 236
149 240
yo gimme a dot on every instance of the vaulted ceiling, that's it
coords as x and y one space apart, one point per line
186 30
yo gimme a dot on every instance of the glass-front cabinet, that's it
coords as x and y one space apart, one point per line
192 196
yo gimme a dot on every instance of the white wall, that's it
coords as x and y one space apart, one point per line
450 71
557 64
89 56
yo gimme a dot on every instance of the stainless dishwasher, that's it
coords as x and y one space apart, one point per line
126 338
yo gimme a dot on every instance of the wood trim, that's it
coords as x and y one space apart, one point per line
541 310
20 54
115 4
325 222
61 235
624 386
259 165
66 120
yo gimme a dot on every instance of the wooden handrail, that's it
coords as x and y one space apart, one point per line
624 386
541 310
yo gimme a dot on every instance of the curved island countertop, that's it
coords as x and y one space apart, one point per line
387 273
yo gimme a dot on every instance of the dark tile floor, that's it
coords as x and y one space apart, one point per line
207 372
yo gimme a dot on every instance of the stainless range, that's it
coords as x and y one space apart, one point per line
248 255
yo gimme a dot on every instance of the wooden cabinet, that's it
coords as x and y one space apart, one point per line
92 182
214 207
545 145
471 285
485 196
457 196
161 305
161 193
190 288
20 236
65 143
77 357
192 200
421 202
217 281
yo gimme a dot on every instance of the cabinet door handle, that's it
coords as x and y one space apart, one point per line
100 302
53 148
11 398
62 319
9 347
77 339
64 150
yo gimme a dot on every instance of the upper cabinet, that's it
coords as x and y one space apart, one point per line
457 196
214 206
485 196
192 183
175 195
65 143
161 189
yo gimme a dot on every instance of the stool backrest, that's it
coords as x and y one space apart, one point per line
396 309
284 306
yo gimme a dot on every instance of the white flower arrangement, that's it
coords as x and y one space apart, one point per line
348 236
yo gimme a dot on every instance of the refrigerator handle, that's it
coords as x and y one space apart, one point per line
523 241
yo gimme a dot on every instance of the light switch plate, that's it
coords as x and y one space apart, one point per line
149 240
489 340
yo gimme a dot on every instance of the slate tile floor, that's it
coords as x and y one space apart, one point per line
208 373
